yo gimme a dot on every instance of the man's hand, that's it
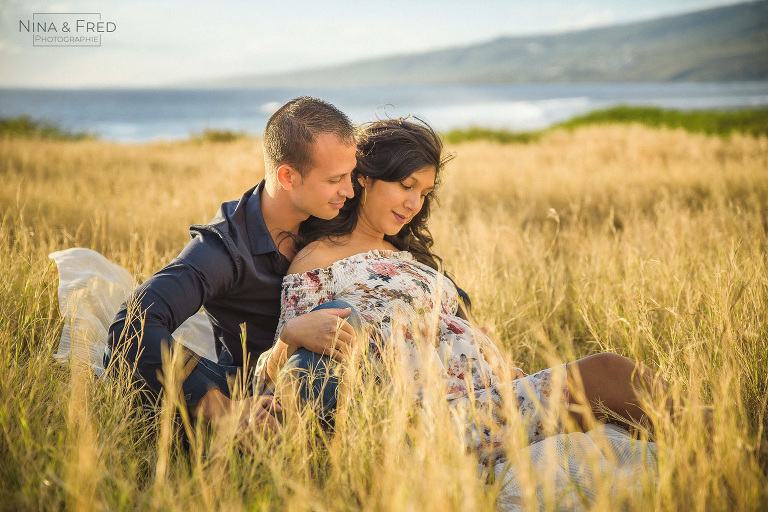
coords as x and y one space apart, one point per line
249 416
257 415
323 331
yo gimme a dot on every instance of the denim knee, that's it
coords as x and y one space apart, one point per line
317 380
353 318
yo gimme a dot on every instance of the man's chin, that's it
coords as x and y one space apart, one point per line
326 215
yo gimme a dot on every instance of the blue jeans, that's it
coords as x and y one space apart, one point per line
315 374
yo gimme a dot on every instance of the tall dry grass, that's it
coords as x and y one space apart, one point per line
650 243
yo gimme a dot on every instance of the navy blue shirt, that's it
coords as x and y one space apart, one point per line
232 269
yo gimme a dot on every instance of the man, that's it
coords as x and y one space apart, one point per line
233 267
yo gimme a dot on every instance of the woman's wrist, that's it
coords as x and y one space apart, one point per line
272 366
287 339
278 357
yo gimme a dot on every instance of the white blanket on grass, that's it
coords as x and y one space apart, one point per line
567 471
91 291
574 471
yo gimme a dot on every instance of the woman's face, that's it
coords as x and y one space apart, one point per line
391 204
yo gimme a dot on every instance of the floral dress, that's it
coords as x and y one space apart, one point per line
404 301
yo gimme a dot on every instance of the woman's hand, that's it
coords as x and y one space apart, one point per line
517 373
323 331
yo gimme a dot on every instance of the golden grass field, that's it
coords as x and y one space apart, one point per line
650 243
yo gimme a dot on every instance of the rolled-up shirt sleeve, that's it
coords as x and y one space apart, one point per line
203 270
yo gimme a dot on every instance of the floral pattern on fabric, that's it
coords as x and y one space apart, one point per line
539 401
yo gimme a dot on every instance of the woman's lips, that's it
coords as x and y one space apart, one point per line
400 218
338 206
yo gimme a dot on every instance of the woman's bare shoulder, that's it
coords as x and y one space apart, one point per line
318 254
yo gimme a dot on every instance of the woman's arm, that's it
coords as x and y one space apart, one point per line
277 359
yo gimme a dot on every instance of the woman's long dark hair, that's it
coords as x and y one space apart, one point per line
388 150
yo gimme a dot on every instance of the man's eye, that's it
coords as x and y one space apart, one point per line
406 187
335 181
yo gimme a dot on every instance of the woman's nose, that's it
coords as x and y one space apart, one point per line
413 201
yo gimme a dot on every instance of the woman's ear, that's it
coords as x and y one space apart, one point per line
364 181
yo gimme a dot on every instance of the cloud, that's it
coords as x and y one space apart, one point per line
60 7
586 20
8 13
10 49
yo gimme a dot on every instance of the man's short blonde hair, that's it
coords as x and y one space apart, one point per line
291 131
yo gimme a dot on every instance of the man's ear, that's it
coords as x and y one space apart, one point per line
287 176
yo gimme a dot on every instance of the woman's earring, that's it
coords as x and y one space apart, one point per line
365 195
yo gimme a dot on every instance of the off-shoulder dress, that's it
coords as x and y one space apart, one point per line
407 302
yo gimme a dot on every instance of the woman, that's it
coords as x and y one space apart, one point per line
376 255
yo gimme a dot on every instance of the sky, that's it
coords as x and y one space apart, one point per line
161 43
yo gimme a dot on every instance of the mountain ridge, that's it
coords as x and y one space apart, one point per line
720 44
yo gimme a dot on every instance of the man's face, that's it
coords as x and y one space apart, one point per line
328 182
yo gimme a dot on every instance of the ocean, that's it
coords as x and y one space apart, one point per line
139 115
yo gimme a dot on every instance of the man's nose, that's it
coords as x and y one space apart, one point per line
347 190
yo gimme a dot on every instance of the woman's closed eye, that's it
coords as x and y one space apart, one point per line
408 187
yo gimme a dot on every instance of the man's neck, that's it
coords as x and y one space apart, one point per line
280 217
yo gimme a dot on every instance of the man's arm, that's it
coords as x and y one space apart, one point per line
145 322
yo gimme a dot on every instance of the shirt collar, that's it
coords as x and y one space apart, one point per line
261 240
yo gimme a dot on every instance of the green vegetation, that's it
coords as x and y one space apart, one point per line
26 127
212 135
501 136
752 122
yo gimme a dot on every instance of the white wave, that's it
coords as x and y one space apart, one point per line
514 115
270 107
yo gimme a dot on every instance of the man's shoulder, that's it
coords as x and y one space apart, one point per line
229 227
228 217
207 249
